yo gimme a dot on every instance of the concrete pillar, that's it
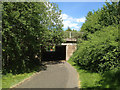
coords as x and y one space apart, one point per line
69 51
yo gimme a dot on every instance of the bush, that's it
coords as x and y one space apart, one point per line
100 53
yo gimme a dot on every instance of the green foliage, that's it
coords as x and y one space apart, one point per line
28 26
111 79
100 53
68 29
96 20
99 50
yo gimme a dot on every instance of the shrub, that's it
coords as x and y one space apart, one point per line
100 53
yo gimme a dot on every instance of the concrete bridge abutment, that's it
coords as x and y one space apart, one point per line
71 47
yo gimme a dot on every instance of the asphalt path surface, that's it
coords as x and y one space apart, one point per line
57 75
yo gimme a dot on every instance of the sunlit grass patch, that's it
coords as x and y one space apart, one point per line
9 79
87 79
109 79
0 83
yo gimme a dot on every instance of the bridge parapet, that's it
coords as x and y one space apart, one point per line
70 39
72 34
68 44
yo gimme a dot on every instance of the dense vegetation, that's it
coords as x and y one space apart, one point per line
27 28
0 37
98 51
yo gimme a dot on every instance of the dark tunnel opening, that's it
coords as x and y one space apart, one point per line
58 54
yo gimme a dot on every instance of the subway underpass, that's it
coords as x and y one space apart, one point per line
58 54
61 52
57 74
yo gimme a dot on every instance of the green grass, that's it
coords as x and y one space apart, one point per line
9 79
87 79
0 82
109 79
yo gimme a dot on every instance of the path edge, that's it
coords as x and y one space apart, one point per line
28 78
79 86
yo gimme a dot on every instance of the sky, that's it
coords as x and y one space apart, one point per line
74 13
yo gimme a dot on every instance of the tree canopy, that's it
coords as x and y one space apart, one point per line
98 50
68 29
96 20
28 26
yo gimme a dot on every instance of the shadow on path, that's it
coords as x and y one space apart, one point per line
52 62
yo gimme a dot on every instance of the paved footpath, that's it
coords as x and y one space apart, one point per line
60 75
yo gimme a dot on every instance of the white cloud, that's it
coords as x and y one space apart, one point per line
64 16
73 23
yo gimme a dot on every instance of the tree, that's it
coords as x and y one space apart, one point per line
108 15
26 27
74 30
55 26
68 29
99 51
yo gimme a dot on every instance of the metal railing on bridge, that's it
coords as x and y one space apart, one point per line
72 34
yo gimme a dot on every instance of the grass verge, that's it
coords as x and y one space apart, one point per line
109 79
9 79
0 82
87 79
